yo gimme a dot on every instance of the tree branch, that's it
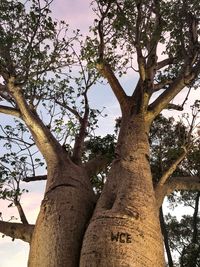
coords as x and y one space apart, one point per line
195 220
187 75
4 93
166 238
17 230
79 140
190 183
140 57
35 178
153 43
103 67
174 106
21 212
73 111
165 62
162 85
45 141
10 111
173 167
147 64
187 183
164 99
119 92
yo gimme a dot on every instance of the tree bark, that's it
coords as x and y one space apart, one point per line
64 214
189 183
124 229
17 230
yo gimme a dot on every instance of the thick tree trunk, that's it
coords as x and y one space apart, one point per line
125 229
64 214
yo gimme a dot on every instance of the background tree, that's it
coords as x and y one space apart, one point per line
180 236
183 234
45 83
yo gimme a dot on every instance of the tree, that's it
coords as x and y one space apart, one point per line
183 234
40 67
180 236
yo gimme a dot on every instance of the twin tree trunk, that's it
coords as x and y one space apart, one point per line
124 228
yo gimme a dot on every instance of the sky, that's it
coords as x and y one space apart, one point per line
79 15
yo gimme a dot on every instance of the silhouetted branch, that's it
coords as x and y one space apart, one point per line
35 178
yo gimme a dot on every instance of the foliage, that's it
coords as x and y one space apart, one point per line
166 138
184 234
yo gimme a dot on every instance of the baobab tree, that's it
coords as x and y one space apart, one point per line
38 66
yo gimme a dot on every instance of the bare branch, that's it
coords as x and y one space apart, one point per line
44 139
187 183
190 183
6 96
35 178
21 212
173 167
10 111
73 111
195 219
177 85
103 67
166 238
101 31
164 63
166 183
189 72
174 106
79 140
140 57
17 230
161 85
186 98
153 43
119 92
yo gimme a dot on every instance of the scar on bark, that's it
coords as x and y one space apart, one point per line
132 213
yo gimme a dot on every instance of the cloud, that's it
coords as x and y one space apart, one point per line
78 14
16 253
30 203
13 253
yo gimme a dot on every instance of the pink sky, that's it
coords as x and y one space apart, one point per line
78 14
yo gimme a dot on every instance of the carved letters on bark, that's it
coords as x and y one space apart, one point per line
121 237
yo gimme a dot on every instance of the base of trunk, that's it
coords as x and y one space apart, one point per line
117 240
60 227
